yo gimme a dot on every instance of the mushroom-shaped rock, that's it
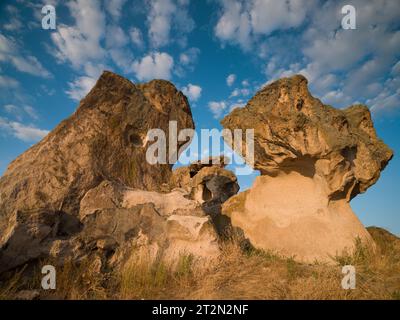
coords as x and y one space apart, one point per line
313 160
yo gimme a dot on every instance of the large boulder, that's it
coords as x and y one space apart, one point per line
104 140
121 220
313 160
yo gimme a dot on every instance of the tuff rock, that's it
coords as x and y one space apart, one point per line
86 190
210 184
313 160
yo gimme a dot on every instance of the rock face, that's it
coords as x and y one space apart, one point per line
166 224
51 197
210 184
313 160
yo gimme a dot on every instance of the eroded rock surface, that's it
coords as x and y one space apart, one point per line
167 224
104 140
210 184
313 160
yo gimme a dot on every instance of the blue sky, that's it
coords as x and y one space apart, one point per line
219 53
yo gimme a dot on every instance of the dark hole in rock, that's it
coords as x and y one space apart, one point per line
300 104
68 225
131 137
349 153
207 195
135 139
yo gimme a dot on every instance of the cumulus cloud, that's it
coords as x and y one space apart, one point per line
193 92
114 7
116 40
154 66
241 22
217 108
26 133
166 15
342 66
136 37
11 52
116 37
230 79
189 57
80 87
81 42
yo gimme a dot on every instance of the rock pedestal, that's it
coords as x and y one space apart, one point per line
313 160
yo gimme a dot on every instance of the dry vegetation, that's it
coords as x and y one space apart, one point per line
238 274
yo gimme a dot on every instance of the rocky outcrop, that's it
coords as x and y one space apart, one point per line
210 184
313 160
165 224
41 192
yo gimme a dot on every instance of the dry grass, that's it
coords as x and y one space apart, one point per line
238 274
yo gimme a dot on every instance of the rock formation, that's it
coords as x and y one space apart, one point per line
313 160
210 184
87 191
87 188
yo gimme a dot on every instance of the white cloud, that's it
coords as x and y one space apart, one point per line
189 57
234 24
26 133
163 16
193 92
154 66
11 109
7 82
270 15
13 24
10 52
13 19
80 87
81 42
21 112
136 37
342 66
160 21
187 61
240 92
115 37
31 112
217 108
114 7
230 79
116 40
336 98
242 22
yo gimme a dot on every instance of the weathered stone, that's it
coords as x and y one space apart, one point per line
105 139
167 224
209 183
313 160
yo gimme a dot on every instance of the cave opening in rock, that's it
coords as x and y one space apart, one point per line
207 194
